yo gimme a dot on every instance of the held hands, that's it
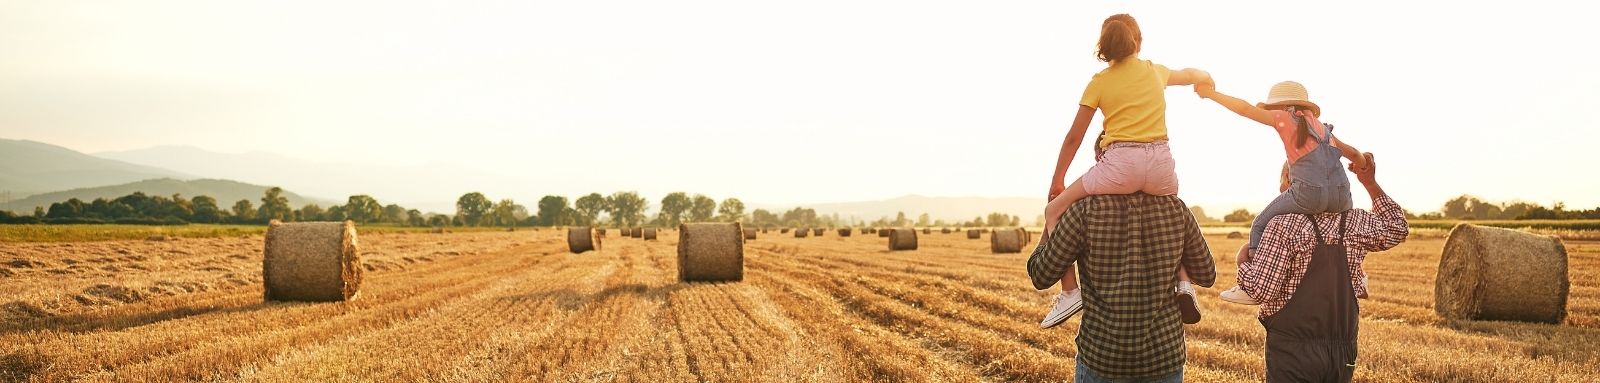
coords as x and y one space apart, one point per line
1205 86
1366 170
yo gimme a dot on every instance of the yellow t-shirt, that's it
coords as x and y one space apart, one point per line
1132 98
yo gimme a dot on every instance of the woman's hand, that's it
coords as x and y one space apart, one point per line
1056 188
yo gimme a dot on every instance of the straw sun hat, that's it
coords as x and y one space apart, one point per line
1290 93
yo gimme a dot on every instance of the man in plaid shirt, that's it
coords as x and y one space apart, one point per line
1271 275
1127 249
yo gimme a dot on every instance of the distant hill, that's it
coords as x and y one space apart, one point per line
30 167
945 208
226 192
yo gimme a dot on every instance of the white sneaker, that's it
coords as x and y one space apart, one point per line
1188 306
1067 304
1236 295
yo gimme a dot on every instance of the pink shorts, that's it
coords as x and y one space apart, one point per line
1131 167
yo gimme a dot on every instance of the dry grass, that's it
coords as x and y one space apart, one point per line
518 307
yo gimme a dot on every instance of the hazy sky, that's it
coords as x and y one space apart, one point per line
805 101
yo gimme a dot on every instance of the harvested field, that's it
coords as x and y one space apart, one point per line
517 306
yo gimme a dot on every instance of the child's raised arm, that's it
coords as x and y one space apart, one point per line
1240 107
1350 152
1069 148
1188 76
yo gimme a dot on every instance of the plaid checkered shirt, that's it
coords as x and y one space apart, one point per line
1278 265
1127 249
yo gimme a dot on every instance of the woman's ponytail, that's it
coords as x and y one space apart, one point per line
1119 38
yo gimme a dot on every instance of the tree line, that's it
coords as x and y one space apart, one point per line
619 209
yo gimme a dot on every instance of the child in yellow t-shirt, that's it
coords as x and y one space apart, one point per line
1131 94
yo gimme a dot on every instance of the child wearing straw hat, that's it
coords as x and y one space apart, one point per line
1132 154
1317 182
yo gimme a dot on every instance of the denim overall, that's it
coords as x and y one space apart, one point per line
1313 338
1317 184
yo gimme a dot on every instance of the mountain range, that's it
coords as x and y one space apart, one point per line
31 167
226 192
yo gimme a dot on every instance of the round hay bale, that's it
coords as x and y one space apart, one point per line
945 230
844 232
1006 241
1488 273
1027 237
636 232
801 233
711 252
158 238
649 234
749 233
783 231
438 230
311 261
902 239
1235 235
818 231
883 233
581 239
927 230
974 234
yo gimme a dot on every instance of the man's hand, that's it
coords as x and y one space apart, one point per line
1365 171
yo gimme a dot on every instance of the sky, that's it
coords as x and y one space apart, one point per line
802 102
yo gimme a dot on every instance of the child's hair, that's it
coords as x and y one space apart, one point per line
1304 133
1119 38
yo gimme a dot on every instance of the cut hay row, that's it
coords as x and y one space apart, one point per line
311 261
712 252
1488 273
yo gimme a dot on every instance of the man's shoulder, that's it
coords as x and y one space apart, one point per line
1129 199
1123 204
1300 221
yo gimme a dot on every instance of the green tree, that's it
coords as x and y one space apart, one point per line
703 209
471 208
552 210
1240 215
923 220
674 207
275 206
362 208
589 208
205 209
1458 208
505 212
395 214
731 210
900 219
414 218
439 220
998 219
311 212
243 212
764 218
627 208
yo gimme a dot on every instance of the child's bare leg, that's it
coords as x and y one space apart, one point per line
1052 214
1059 205
1069 281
